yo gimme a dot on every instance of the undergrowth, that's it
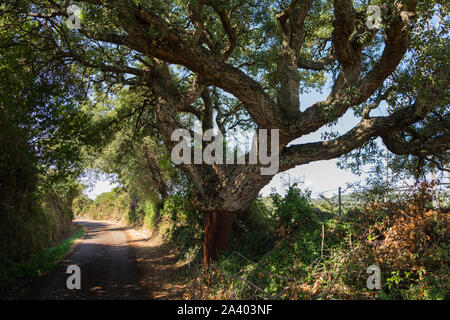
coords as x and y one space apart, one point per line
284 248
39 263
306 255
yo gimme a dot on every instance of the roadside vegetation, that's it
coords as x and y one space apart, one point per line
42 129
300 254
38 264
286 248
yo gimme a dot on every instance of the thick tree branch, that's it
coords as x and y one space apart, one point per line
348 90
366 111
292 21
431 146
355 138
344 25
396 44
315 65
378 126
230 30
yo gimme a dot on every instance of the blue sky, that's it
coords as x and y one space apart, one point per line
320 176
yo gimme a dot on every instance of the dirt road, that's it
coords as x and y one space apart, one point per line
108 268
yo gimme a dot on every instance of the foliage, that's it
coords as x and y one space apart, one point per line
81 205
182 226
42 131
406 238
409 239
151 213
113 205
254 231
38 264
292 211
47 218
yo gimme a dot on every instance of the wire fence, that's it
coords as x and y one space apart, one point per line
332 198
441 197
336 199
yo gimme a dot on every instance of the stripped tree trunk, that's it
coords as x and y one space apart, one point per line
217 227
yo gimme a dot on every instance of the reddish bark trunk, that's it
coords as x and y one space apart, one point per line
217 227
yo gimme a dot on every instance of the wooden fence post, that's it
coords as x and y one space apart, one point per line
339 197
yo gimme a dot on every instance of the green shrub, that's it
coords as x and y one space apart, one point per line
406 239
293 211
151 213
113 205
254 232
182 226
81 205
38 264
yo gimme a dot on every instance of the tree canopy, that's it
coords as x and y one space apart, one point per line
228 64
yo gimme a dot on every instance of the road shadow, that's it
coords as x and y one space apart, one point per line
107 264
114 266
157 265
